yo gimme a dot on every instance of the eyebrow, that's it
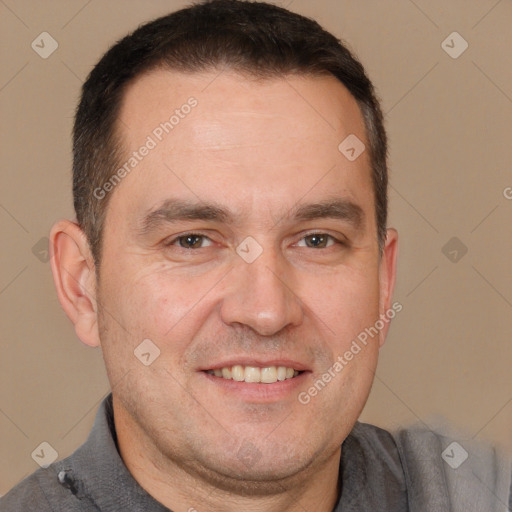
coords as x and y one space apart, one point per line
177 210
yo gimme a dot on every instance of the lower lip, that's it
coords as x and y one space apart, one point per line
257 392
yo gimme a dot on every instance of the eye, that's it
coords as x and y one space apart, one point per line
197 241
319 240
189 241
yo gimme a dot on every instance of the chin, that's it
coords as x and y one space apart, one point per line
264 477
264 469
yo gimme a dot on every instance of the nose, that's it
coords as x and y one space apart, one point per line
261 295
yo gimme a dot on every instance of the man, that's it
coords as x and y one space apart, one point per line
231 258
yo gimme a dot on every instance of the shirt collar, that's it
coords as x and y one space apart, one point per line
100 473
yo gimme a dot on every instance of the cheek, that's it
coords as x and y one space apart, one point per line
346 302
159 304
133 313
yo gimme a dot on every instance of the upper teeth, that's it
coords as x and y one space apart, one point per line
266 375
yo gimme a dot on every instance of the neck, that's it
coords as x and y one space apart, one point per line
179 487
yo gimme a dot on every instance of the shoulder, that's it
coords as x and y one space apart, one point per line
443 466
51 489
48 490
32 494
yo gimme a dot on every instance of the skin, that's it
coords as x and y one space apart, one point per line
256 148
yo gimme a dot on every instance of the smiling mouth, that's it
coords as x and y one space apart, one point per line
256 374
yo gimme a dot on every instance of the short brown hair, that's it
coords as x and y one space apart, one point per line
257 38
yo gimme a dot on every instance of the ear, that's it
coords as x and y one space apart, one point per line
74 276
387 278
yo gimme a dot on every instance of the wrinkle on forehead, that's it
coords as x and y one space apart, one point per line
232 100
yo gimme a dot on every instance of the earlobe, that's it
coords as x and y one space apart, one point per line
387 278
75 279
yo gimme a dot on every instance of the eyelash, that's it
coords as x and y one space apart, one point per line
185 235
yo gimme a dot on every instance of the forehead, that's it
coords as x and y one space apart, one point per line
244 141
225 97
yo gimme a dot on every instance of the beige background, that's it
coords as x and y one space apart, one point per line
449 352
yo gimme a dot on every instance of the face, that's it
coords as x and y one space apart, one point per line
244 246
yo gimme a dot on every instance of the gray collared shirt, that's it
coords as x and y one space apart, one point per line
377 472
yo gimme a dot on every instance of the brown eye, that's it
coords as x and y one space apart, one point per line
189 241
319 240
